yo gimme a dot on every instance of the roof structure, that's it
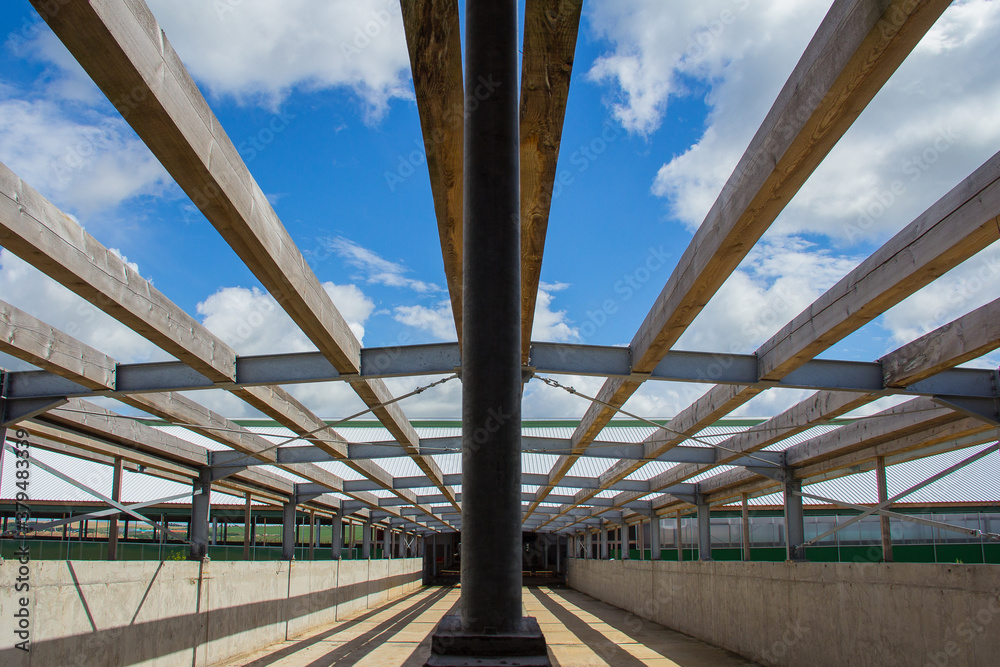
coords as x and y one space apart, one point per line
975 485
572 474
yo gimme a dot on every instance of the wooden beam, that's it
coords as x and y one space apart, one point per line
73 360
912 418
818 408
31 340
905 419
964 339
32 228
84 443
68 263
121 46
94 421
711 407
856 49
955 228
433 38
934 440
262 483
550 32
967 338
290 413
969 431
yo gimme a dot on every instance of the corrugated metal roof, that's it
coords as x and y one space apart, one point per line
975 483
979 482
136 487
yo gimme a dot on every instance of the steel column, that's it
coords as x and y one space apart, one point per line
434 555
883 519
116 495
3 429
337 540
247 528
745 525
679 539
288 530
654 537
795 529
201 503
491 330
704 532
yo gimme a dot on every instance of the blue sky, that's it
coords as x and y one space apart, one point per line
664 99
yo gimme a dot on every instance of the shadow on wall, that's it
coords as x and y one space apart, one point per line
94 613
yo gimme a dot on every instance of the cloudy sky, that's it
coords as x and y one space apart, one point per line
316 95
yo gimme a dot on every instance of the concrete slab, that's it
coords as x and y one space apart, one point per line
393 637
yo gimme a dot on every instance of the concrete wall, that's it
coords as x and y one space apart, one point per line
816 614
183 613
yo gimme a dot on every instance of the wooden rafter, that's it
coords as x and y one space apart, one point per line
853 53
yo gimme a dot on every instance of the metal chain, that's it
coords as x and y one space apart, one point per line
553 383
418 390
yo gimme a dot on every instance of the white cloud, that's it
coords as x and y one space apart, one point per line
544 402
437 320
251 322
375 269
85 165
657 46
929 127
548 324
968 286
24 287
779 278
261 50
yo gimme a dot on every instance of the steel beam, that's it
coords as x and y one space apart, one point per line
546 358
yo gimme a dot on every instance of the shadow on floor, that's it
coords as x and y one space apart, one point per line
597 642
356 649
672 644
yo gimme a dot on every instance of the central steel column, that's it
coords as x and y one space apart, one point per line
491 331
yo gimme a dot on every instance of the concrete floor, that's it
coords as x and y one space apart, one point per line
580 631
